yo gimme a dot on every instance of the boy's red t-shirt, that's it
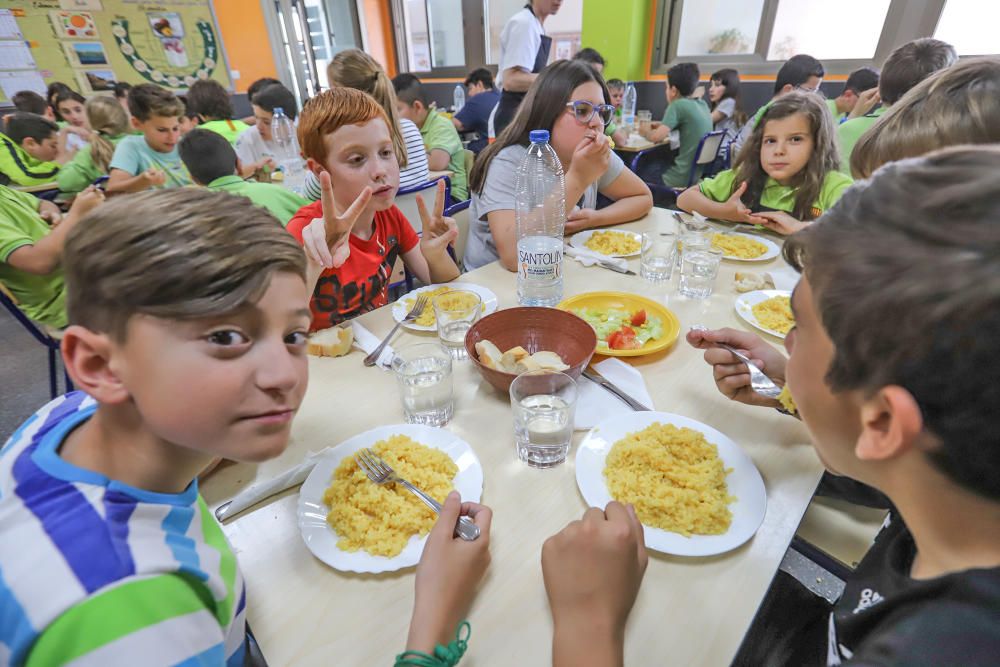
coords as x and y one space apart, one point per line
362 282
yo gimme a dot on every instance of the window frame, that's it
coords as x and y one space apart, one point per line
474 31
905 20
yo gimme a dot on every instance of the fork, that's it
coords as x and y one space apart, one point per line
418 308
380 472
760 383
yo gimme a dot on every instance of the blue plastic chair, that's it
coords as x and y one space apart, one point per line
710 151
458 252
408 206
51 343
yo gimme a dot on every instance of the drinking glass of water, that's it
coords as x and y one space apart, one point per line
455 313
544 403
699 268
657 261
423 372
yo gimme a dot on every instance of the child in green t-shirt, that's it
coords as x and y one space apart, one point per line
109 123
209 102
686 115
32 150
787 171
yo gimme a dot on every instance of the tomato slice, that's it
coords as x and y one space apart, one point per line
623 339
615 340
639 318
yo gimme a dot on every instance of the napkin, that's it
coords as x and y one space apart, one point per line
784 278
368 341
589 258
255 493
594 403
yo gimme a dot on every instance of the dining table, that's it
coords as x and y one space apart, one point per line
689 610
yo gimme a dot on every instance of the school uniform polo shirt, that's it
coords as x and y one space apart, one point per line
850 131
42 298
777 197
439 133
81 171
692 119
230 129
22 169
837 116
282 203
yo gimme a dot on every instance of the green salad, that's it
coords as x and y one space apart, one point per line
619 329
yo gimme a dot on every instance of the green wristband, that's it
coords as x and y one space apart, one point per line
444 656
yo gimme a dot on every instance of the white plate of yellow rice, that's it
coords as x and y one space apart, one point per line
319 535
767 310
674 470
608 242
739 247
403 305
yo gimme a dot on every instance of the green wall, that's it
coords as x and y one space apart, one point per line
619 29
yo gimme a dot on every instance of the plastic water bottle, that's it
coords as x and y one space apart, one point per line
540 215
288 158
628 107
459 97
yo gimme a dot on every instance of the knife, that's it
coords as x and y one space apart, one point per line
609 386
612 267
263 490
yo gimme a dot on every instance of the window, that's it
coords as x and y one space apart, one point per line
497 14
719 27
970 26
439 37
447 34
844 30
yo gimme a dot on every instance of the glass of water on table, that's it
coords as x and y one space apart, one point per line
423 372
657 260
455 312
544 404
699 269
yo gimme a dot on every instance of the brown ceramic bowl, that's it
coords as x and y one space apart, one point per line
534 329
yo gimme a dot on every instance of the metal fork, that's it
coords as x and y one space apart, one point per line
759 382
380 472
414 313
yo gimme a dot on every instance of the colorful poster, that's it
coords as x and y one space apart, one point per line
158 59
166 24
85 54
96 80
80 25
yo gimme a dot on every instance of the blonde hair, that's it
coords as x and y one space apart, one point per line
824 159
329 111
356 69
180 253
109 121
957 105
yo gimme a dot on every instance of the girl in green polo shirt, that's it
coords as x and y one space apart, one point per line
108 124
785 176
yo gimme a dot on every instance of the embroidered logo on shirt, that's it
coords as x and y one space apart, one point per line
869 598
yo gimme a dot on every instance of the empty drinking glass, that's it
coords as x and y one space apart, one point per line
699 268
657 262
456 312
423 372
544 403
645 119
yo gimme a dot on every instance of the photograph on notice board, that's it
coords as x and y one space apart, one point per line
79 25
96 80
85 54
166 25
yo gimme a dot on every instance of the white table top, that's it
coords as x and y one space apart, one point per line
690 611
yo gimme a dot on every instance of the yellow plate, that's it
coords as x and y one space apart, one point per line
631 303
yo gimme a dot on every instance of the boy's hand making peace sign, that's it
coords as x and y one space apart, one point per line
439 231
326 239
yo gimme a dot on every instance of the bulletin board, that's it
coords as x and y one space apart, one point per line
91 44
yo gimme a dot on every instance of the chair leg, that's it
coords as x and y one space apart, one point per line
69 382
53 388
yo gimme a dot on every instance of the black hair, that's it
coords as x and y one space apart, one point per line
729 79
208 99
207 155
63 94
271 97
22 125
481 75
590 56
684 77
861 80
122 88
409 89
30 101
259 85
797 70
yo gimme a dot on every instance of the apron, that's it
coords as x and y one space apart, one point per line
509 102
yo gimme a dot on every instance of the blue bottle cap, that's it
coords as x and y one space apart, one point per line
279 110
538 136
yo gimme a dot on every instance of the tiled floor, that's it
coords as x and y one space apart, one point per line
24 378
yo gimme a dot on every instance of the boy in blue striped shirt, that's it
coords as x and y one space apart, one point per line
189 312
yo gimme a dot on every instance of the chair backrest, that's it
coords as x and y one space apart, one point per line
10 303
460 212
708 151
406 200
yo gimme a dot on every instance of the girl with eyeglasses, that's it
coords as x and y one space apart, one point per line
570 100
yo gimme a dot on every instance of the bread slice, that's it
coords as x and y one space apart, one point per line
526 364
332 342
508 362
549 361
489 354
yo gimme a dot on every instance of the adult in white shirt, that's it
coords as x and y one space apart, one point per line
524 52
254 146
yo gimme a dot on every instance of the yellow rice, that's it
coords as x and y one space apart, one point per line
775 314
786 400
426 317
612 243
381 518
741 247
673 477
